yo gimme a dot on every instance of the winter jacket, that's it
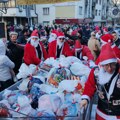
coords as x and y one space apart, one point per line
15 53
5 64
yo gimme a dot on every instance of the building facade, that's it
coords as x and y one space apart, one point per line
19 14
82 11
62 13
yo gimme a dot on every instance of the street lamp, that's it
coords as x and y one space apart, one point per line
3 6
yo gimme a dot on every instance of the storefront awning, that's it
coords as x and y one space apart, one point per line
30 2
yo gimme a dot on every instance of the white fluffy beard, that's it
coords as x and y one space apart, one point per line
34 43
104 77
60 44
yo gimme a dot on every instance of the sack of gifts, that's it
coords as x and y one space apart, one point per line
56 75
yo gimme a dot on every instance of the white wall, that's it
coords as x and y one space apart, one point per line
41 17
14 12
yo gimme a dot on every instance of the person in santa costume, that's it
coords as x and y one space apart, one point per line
106 81
80 51
59 47
34 52
108 38
105 30
53 36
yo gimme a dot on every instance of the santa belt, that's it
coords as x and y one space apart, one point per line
107 117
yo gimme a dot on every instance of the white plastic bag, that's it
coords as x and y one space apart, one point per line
49 102
48 89
24 84
79 69
25 70
68 85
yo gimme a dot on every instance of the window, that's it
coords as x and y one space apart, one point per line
24 6
45 11
100 2
80 10
32 7
99 12
96 12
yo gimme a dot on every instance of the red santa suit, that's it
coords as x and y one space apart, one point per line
56 48
107 86
82 50
34 51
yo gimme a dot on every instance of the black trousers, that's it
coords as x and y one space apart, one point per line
5 84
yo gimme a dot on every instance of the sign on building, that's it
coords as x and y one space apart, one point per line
114 12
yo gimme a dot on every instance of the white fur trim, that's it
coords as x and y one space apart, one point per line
61 36
103 42
108 61
77 49
109 41
85 97
113 46
54 34
106 117
34 37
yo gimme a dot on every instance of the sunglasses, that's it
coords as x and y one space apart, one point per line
111 65
61 38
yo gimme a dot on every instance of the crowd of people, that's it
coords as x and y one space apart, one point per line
100 47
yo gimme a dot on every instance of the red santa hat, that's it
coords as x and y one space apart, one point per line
54 32
105 29
77 45
61 35
35 34
74 33
106 38
107 55
97 28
